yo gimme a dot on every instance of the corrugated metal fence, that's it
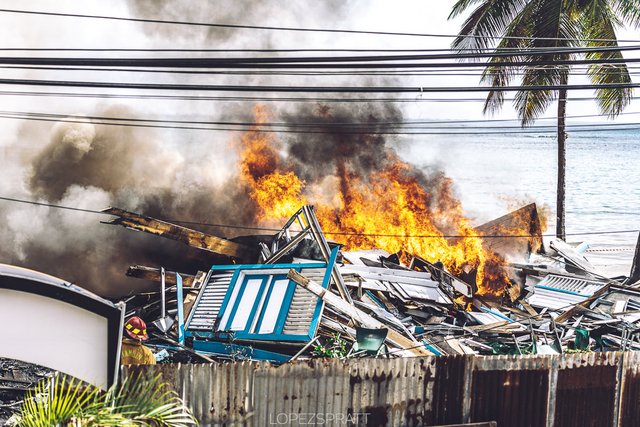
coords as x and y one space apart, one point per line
593 389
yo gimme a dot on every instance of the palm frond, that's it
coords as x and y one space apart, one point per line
530 104
149 401
136 401
628 11
598 23
54 401
486 24
517 37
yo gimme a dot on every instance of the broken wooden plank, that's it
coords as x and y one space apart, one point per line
153 274
193 238
522 222
410 347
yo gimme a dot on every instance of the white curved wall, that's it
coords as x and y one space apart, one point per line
54 334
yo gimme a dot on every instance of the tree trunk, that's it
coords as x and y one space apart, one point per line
562 162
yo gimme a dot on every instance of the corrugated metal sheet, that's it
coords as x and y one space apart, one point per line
593 389
586 390
512 390
395 392
630 387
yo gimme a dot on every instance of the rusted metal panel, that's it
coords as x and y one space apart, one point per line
512 390
586 390
448 389
567 390
189 236
298 393
396 392
630 391
216 393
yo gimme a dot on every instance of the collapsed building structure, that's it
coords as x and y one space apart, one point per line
296 294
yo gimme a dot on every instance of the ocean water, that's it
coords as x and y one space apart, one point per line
494 173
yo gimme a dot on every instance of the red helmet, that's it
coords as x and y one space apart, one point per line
136 329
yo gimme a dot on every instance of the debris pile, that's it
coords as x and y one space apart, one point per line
16 378
297 294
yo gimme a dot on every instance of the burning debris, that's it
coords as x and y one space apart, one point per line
389 258
303 295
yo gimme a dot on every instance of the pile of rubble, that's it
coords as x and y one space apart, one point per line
295 294
16 378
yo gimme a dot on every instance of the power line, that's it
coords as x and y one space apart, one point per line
516 130
540 51
514 58
309 89
280 28
331 50
92 211
334 124
419 98
385 73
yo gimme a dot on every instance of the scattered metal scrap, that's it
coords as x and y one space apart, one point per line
306 296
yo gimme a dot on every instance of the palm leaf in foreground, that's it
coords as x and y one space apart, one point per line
136 401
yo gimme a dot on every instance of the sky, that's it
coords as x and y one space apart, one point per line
138 166
397 16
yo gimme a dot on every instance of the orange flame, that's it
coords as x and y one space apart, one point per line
389 209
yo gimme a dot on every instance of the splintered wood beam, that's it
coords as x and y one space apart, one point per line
193 238
153 274
522 222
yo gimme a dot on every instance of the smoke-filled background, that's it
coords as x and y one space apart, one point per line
192 175
187 176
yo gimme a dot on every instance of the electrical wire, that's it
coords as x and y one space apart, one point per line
309 89
358 61
542 51
419 98
326 73
404 123
71 208
606 127
281 28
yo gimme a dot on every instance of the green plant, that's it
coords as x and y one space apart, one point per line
334 347
136 401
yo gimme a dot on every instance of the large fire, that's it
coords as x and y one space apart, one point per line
388 209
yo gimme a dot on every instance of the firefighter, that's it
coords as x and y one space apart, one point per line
133 351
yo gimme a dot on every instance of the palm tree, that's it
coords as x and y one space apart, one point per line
62 401
549 31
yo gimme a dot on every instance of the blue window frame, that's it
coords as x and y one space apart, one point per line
258 299
257 307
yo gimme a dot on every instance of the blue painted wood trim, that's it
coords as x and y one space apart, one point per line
286 306
549 288
227 297
236 350
236 303
232 267
179 300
